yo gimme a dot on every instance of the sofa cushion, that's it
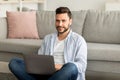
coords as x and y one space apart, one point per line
20 45
106 52
78 21
104 66
3 28
46 22
22 25
103 27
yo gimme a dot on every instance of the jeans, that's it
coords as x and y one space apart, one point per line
69 71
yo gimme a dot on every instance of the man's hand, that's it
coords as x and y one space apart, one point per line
58 66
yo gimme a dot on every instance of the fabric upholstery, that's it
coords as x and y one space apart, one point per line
45 23
106 52
20 45
104 66
78 21
99 75
3 28
103 27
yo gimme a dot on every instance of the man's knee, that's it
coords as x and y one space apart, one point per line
14 63
71 68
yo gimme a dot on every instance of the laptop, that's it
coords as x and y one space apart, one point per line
39 64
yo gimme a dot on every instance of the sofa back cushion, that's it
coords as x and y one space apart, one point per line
3 28
46 22
103 27
78 21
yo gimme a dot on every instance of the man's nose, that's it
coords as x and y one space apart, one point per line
60 23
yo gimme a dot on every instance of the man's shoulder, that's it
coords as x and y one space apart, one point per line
76 35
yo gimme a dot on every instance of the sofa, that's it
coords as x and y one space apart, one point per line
100 29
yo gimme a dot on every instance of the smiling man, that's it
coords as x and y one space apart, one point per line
68 48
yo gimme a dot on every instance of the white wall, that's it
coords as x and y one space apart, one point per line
51 5
75 5
14 7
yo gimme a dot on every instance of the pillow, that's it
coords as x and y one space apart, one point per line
22 25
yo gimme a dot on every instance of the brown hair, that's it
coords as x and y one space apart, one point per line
61 10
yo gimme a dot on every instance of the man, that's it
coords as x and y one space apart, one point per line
68 48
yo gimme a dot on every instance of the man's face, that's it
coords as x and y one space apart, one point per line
63 23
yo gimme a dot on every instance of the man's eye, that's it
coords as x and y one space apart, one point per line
57 20
63 20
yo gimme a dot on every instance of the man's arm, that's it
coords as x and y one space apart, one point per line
81 56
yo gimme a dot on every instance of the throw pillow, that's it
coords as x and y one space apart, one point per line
22 25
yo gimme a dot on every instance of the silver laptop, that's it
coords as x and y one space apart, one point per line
39 64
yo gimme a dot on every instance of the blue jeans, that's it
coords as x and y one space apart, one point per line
67 72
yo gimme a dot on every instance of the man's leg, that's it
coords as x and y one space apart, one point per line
69 71
17 67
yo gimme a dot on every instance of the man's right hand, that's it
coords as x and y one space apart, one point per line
58 66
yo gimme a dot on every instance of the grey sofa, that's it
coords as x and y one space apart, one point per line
100 29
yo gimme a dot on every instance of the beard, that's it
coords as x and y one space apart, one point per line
65 29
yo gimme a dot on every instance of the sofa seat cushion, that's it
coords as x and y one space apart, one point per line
20 45
104 66
108 52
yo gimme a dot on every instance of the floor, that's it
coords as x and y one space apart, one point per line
5 73
4 67
7 76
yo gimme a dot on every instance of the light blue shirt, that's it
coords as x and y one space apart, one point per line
75 50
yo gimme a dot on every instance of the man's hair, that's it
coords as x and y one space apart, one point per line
61 10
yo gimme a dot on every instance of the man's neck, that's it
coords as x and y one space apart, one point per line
63 35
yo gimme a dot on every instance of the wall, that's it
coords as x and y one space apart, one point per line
51 5
75 4
14 7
